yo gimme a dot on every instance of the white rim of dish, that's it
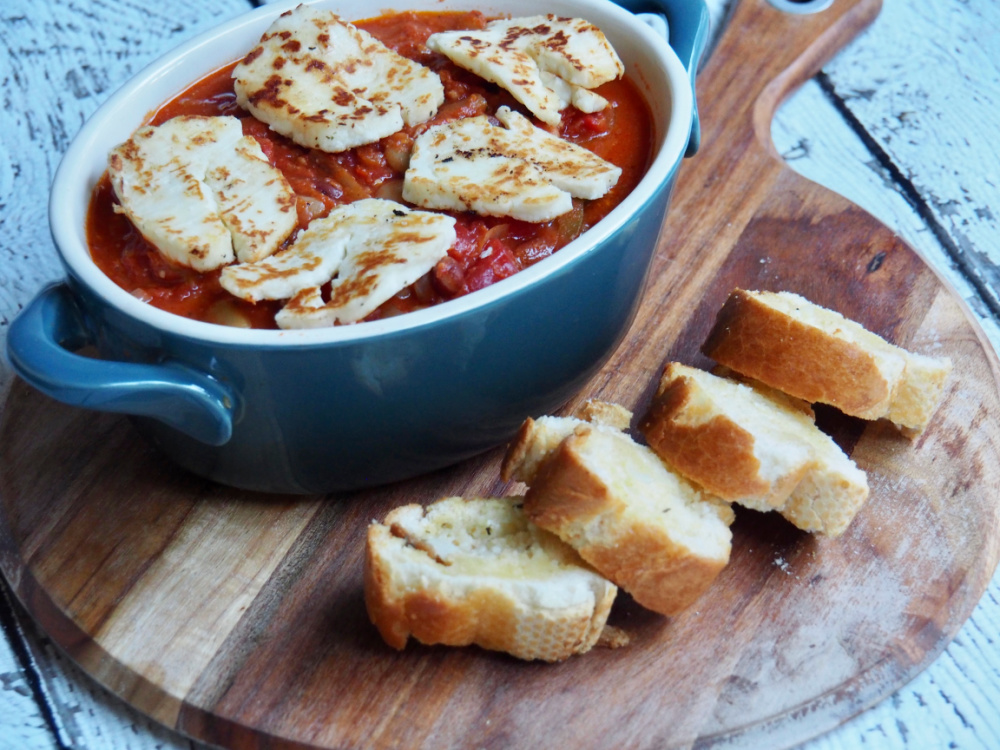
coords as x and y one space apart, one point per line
78 161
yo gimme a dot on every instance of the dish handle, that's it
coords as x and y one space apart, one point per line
41 346
687 32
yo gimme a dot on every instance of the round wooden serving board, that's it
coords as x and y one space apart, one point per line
239 620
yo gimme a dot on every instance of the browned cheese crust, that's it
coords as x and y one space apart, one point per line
778 350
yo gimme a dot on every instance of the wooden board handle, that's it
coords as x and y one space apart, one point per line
766 53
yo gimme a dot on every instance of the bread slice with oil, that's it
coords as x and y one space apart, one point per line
614 501
816 354
755 447
476 571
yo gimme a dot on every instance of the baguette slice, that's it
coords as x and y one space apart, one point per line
735 442
476 571
755 447
537 438
816 354
645 528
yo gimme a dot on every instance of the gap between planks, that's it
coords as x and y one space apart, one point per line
14 633
909 191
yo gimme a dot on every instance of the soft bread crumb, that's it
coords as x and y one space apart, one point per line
613 637
787 401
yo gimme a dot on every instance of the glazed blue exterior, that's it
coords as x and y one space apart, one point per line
337 416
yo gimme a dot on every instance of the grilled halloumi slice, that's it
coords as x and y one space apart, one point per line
201 192
545 62
518 170
583 99
374 247
328 85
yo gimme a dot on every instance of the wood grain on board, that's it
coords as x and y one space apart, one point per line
238 618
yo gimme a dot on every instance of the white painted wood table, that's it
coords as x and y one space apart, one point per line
904 122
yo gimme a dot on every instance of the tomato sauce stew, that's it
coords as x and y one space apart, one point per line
487 249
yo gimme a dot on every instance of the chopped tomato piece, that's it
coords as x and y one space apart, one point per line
497 264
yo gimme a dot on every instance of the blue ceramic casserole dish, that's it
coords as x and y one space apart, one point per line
317 411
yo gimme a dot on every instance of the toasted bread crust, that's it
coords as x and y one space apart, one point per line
718 453
678 580
809 479
763 343
387 613
824 503
428 617
534 440
603 412
787 342
517 452
920 392
565 496
431 617
570 500
688 429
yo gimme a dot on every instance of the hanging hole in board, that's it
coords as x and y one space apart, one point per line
801 7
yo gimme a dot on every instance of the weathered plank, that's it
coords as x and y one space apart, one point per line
953 700
838 158
61 60
81 713
942 100
23 723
